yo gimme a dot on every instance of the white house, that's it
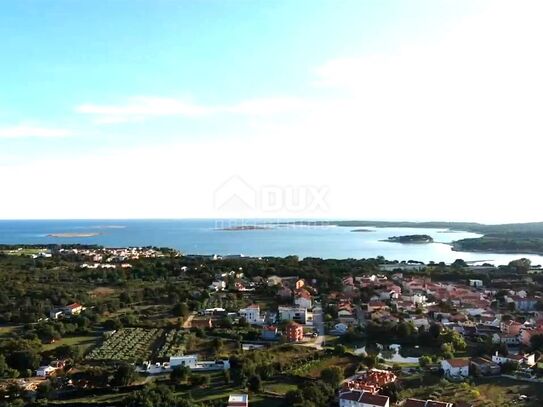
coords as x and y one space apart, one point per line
455 367
525 359
217 286
476 283
55 314
187 360
252 314
300 315
72 309
238 400
45 371
360 398
302 299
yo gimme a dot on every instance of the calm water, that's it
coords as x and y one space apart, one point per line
203 237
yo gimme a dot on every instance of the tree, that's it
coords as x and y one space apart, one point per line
520 265
124 375
424 361
226 376
294 397
332 375
255 383
181 310
180 374
217 344
5 371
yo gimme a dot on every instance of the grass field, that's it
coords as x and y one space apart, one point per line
85 342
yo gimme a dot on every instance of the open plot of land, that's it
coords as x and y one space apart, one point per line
313 369
489 392
85 342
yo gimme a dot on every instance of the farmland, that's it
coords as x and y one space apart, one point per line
128 344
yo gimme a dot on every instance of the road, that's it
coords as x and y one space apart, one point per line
318 324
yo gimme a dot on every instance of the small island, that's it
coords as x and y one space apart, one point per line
362 230
72 235
410 239
246 227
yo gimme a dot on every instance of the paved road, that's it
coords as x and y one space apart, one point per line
318 324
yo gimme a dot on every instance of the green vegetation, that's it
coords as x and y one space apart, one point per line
411 239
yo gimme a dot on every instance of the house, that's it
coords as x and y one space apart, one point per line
72 309
360 398
273 280
300 315
376 305
269 333
302 298
252 314
525 303
45 371
481 366
187 360
426 403
238 400
55 314
217 286
295 332
520 359
476 283
511 327
455 368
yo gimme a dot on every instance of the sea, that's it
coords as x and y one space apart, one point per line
251 238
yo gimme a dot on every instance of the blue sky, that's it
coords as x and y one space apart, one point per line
132 82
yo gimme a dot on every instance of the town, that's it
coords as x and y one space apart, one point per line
87 325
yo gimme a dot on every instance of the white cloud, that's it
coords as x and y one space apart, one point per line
140 108
144 108
28 131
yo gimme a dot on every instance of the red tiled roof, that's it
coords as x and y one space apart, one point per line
458 362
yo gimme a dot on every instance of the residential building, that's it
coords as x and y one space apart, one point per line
527 359
481 366
302 298
300 315
187 360
269 333
45 371
252 314
294 332
360 398
72 309
455 368
238 400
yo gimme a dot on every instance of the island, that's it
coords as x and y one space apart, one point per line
246 227
410 239
72 235
362 230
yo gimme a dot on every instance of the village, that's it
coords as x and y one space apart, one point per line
377 334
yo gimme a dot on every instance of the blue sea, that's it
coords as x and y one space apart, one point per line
207 236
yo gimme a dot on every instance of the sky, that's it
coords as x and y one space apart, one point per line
374 109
